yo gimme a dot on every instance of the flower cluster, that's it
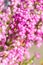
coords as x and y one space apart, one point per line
21 27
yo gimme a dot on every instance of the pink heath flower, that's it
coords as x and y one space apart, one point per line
37 55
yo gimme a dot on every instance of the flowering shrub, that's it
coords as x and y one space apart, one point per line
21 27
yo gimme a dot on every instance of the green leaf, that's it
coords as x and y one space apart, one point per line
1 48
8 42
31 60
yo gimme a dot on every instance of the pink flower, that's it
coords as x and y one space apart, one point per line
37 55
